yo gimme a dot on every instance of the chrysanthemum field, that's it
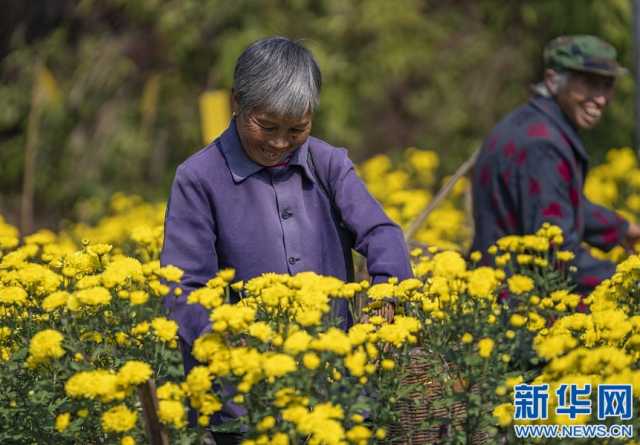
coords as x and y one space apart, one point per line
83 331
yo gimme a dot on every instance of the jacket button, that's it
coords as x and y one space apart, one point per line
286 214
292 260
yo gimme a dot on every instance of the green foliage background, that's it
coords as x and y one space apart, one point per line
434 74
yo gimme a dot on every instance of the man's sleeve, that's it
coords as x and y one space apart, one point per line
377 238
189 243
603 228
548 195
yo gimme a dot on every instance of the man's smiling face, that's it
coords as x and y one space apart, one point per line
584 98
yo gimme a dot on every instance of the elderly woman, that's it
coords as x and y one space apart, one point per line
268 197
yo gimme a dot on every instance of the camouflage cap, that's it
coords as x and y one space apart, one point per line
582 53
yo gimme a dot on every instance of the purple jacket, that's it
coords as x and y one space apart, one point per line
227 211
531 169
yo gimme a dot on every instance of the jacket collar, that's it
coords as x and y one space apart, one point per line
551 108
241 166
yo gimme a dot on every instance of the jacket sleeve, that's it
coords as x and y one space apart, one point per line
377 238
603 228
547 196
189 243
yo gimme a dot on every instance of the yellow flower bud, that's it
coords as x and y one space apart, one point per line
517 320
266 423
534 299
388 364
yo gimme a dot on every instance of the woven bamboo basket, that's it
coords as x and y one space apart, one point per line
419 406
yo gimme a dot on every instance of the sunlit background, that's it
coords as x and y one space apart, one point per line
112 95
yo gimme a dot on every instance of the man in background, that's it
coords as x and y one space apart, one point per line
532 166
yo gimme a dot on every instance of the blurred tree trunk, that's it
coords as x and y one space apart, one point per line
159 158
30 154
158 153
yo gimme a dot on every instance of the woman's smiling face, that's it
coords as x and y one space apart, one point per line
269 139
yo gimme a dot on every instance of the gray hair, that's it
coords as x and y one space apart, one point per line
540 88
278 76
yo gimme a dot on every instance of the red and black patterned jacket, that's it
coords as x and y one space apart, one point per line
531 169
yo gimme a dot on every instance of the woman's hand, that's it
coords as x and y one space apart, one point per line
386 311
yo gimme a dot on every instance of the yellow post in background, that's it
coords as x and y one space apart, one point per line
215 112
